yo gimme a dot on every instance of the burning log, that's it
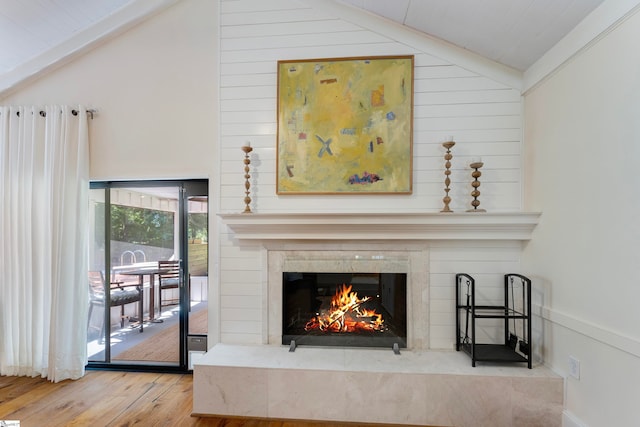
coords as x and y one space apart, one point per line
346 314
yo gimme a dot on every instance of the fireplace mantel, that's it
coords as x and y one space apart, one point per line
382 226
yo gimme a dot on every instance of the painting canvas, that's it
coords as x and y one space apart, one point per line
345 125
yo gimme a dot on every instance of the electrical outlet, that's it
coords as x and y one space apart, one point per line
574 367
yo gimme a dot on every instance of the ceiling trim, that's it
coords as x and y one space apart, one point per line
596 25
81 42
423 42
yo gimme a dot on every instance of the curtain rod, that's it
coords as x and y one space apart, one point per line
90 113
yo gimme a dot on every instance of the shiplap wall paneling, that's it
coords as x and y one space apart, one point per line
240 292
482 114
486 262
479 111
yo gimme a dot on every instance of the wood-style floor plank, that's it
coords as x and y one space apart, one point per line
118 399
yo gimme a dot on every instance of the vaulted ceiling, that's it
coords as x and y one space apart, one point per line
29 28
513 32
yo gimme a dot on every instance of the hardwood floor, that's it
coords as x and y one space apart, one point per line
108 398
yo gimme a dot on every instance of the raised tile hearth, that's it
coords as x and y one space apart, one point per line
376 386
424 384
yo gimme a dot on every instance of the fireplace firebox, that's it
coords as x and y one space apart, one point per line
345 309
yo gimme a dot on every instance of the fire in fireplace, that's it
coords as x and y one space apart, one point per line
345 309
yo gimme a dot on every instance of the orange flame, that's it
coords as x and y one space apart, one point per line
346 314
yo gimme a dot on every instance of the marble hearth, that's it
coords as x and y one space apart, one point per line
438 388
421 385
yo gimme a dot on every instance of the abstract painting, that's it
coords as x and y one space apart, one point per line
345 125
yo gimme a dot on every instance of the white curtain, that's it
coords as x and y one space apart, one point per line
44 187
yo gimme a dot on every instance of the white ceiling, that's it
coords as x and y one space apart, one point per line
513 32
28 28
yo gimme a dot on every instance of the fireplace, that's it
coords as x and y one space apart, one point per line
420 385
302 279
344 309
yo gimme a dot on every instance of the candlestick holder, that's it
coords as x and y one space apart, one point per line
247 185
447 181
475 184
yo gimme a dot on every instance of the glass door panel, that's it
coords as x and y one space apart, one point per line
198 255
145 230
137 318
98 316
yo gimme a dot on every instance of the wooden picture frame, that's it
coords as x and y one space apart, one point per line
345 126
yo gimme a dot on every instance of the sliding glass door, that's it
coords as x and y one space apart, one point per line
144 285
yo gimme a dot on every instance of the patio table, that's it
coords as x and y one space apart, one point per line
151 272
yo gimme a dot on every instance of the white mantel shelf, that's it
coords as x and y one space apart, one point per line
382 226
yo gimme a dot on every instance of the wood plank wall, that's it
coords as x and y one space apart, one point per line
479 109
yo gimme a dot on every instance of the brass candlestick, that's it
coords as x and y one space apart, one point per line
447 181
247 185
475 184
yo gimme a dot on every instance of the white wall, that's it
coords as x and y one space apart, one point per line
456 94
155 89
582 149
482 110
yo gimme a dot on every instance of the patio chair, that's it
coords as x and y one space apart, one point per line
119 295
171 279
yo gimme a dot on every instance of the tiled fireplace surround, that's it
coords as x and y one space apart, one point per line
420 386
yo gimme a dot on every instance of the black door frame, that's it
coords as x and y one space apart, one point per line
187 188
